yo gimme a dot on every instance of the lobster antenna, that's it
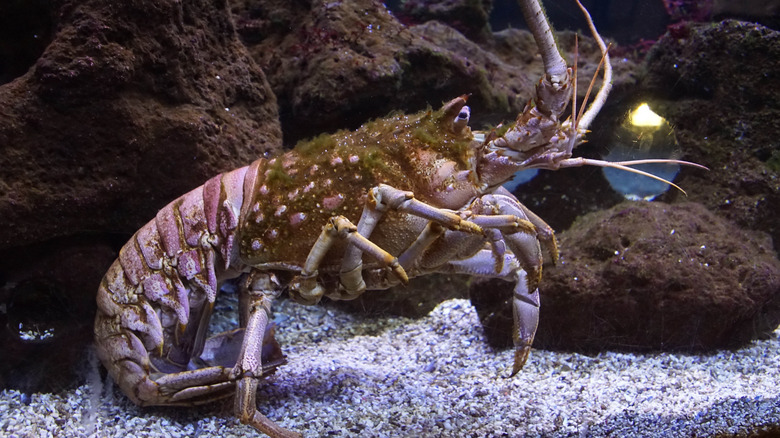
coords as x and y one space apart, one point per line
574 84
590 87
618 165
606 87
624 165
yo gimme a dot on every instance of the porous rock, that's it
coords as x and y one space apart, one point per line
132 104
718 85
335 65
649 277
468 17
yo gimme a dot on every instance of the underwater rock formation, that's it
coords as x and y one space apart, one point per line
467 17
650 276
129 106
334 65
719 87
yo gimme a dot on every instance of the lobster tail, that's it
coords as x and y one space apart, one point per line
155 301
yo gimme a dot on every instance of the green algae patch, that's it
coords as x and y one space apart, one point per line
316 145
277 176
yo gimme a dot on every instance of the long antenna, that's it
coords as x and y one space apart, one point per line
606 87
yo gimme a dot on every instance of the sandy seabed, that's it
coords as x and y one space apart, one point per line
353 375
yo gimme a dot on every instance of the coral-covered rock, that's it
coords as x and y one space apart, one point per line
130 105
649 276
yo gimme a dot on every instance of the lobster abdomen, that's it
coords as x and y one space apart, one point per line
155 301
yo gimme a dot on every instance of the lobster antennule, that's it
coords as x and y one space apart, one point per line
579 127
625 165
586 119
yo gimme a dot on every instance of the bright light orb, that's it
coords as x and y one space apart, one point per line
644 117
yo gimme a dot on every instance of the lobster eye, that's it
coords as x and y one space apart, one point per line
462 119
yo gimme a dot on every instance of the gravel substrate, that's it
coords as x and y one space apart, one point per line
357 376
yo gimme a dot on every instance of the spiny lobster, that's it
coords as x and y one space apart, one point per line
339 214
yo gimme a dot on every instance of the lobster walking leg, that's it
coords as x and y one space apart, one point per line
512 252
381 198
525 301
526 248
262 288
305 288
544 233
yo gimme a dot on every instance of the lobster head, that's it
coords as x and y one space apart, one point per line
534 141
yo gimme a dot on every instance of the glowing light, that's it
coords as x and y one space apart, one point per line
643 116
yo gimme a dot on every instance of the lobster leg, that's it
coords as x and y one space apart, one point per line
261 288
507 226
544 232
381 199
525 301
525 246
305 288
426 252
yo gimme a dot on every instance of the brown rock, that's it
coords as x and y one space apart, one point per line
130 105
649 276
468 17
719 87
335 65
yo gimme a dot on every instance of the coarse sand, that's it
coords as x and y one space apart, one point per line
354 375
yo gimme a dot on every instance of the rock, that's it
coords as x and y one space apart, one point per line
335 65
467 17
649 277
720 88
129 106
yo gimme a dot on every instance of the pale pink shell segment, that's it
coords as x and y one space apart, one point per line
149 241
229 211
132 262
115 290
189 264
168 292
333 202
169 230
250 180
143 319
193 219
211 193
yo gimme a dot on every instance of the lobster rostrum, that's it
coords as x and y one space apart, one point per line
339 214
